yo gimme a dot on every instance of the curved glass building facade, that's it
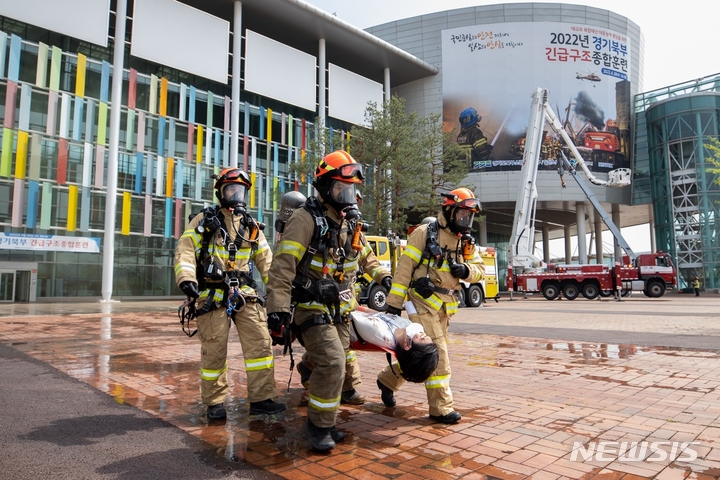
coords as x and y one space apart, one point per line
492 58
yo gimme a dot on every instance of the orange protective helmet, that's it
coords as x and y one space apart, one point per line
231 196
339 165
462 198
232 175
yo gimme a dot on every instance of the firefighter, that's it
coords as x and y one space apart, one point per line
212 266
312 275
471 138
428 277
289 202
366 257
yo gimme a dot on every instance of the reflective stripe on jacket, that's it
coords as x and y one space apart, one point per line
296 238
189 247
411 258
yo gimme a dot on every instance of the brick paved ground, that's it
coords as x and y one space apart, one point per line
525 401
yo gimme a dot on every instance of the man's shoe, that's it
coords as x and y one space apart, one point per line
352 397
266 406
320 438
337 435
387 395
216 412
304 374
448 418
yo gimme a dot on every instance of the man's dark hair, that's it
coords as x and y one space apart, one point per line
417 363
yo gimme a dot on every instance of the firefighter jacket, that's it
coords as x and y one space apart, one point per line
474 144
340 265
190 264
414 265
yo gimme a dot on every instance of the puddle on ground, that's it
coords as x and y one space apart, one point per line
142 363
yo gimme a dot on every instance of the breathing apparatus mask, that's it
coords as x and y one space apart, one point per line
459 219
351 213
339 195
233 196
231 189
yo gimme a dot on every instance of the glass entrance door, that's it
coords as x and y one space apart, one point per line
7 285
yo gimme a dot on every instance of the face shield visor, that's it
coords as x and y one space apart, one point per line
342 193
233 194
463 218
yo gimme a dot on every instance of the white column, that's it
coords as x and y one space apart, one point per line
235 87
483 233
322 81
651 225
568 245
581 232
114 139
386 76
617 251
598 238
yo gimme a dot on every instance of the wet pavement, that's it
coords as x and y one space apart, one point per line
628 385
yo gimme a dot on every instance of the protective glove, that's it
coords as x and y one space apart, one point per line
387 283
278 322
393 310
190 289
460 270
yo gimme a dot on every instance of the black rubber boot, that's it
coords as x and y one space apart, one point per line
320 438
337 435
448 418
352 397
266 406
216 412
304 374
387 395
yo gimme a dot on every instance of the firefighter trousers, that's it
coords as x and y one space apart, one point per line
352 369
213 331
437 386
325 353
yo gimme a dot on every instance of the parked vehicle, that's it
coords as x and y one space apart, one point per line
374 295
474 295
652 273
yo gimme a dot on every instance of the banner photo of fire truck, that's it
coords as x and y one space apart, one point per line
491 70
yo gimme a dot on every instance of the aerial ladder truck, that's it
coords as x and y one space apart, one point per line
653 273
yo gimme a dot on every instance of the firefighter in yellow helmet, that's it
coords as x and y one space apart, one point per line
428 276
312 276
212 267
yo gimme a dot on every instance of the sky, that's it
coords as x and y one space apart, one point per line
680 44
680 39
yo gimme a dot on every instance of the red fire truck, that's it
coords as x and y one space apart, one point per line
651 273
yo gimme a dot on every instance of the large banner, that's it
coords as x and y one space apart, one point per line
49 243
490 71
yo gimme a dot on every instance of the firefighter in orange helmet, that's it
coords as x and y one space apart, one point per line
212 267
313 275
428 275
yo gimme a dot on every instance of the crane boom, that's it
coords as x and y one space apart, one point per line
598 207
520 248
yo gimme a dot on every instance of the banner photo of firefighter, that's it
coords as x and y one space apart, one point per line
490 71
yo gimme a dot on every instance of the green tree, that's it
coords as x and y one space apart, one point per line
448 163
713 146
318 144
410 161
